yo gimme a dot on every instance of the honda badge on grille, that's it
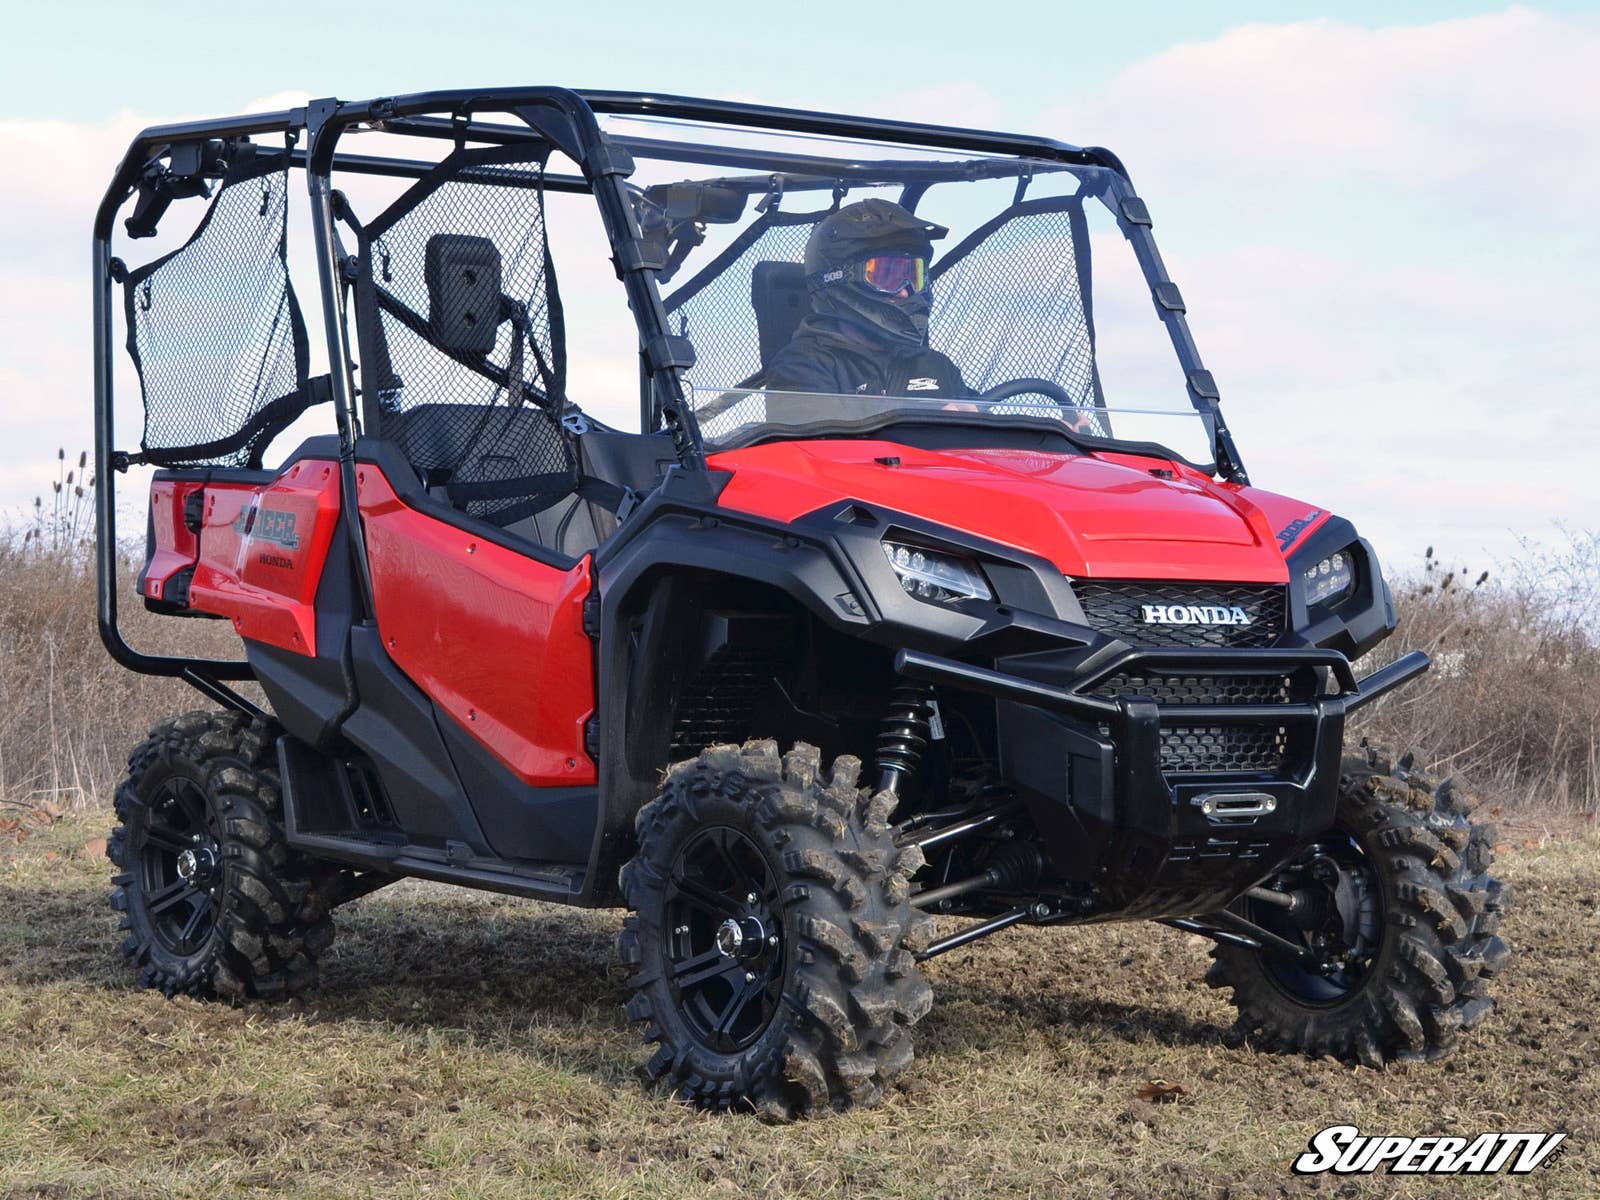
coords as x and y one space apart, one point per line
1193 614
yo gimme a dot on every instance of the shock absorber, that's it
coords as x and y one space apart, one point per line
907 727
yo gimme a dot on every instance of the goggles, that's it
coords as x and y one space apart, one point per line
892 274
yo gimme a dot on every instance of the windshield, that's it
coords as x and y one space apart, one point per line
734 417
904 284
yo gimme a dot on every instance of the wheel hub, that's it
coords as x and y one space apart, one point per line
725 955
1337 914
741 939
197 866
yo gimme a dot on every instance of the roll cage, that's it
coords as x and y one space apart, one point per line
168 162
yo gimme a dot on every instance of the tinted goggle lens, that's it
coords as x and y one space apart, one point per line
894 273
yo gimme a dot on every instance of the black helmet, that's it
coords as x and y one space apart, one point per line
854 235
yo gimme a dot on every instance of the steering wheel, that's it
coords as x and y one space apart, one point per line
1029 386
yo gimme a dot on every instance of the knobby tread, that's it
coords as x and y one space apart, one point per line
1440 949
272 913
852 989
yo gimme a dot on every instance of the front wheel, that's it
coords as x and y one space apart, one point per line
1397 907
771 942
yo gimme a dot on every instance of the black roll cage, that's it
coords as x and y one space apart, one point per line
566 120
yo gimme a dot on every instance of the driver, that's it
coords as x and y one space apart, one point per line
867 333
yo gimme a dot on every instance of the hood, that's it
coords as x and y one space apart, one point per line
1096 516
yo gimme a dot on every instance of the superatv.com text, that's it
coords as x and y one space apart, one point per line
1345 1150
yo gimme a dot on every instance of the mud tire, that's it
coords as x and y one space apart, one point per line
270 907
851 987
1439 951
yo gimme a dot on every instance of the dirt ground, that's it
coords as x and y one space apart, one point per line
467 1045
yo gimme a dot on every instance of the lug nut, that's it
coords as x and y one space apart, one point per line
752 898
749 976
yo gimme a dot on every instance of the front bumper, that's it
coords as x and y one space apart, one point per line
1131 839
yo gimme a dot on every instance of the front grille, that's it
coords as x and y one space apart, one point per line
1116 608
1199 689
1212 749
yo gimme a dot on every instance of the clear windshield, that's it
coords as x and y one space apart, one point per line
734 417
1033 305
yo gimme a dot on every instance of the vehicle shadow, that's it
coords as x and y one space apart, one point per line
969 1016
520 976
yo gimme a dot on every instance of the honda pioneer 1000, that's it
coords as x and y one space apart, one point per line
1006 634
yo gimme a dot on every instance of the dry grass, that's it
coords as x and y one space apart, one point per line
468 1045
1512 705
68 714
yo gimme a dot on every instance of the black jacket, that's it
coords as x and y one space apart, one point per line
827 355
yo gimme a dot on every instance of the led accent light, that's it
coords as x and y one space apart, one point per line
1331 580
934 576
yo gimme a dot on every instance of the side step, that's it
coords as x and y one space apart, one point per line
341 829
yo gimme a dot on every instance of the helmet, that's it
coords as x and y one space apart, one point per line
848 269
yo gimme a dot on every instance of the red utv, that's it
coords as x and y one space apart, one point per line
785 673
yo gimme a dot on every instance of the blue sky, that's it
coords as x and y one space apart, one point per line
82 60
1381 215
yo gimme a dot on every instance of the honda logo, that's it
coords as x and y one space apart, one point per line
1193 614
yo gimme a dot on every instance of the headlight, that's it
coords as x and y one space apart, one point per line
934 576
1331 580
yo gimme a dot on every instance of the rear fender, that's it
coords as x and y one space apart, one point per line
259 552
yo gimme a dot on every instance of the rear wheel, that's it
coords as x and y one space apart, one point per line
771 944
1398 908
211 898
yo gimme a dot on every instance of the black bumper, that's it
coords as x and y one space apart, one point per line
1131 836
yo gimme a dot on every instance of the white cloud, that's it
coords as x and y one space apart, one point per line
1385 237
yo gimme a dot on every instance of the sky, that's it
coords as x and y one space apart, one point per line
1381 215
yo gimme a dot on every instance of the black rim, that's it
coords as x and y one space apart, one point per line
180 866
1340 920
724 939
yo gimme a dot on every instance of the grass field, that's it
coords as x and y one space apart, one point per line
472 1045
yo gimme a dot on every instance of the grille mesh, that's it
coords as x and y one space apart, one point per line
1115 608
1212 749
719 701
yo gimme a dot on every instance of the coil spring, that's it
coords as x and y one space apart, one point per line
907 728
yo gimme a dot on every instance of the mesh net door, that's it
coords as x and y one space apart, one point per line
462 344
1011 301
214 328
714 310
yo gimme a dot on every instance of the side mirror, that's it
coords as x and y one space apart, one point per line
464 292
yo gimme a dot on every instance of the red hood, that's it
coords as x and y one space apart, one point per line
1100 516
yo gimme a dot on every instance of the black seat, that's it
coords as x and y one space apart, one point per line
780 299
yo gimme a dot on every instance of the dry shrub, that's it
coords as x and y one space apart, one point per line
1512 705
68 713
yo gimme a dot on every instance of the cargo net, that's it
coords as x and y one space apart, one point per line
1009 302
1012 301
719 312
214 329
462 345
